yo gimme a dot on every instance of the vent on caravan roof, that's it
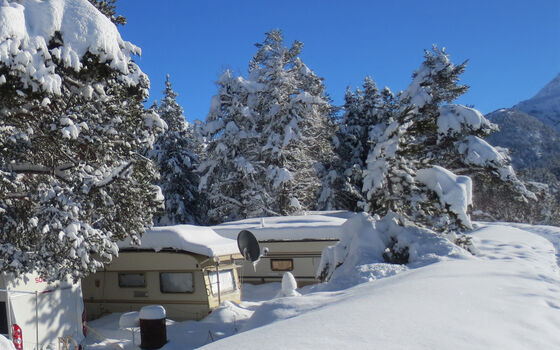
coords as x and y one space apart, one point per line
248 245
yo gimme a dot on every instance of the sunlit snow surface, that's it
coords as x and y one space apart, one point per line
506 297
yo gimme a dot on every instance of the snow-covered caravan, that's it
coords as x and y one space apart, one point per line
187 269
34 314
294 243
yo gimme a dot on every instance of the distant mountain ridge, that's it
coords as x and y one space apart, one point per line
545 105
531 142
531 128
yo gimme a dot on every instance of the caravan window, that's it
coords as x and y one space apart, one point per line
227 282
132 280
176 282
281 264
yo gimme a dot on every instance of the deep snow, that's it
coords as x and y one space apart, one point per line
196 239
505 297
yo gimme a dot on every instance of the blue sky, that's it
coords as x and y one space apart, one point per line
513 46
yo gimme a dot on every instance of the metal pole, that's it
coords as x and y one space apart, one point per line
37 318
218 282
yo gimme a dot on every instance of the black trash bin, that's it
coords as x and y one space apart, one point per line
153 333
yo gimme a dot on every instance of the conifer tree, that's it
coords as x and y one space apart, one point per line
424 143
293 112
230 169
452 135
175 154
352 144
108 8
73 180
269 136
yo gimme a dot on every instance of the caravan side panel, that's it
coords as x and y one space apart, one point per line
133 280
301 258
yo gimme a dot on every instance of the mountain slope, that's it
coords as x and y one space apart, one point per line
545 105
531 142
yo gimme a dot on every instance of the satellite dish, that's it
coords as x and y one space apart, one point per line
248 246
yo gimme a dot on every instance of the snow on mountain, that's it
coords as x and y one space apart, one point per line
545 105
505 297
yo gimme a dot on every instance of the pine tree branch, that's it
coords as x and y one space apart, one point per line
112 178
27 168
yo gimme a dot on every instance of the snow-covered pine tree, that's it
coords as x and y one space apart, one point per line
352 144
451 135
108 8
73 180
424 142
174 153
231 168
294 127
390 181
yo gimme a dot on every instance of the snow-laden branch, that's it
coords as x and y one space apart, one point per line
116 174
27 168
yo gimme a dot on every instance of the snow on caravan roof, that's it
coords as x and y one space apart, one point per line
195 239
287 228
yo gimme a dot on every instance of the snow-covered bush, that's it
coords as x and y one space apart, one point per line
361 255
72 133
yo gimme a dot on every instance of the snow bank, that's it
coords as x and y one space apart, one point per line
130 320
358 257
453 190
6 344
285 228
27 27
196 239
506 298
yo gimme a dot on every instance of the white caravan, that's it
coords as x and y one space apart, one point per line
294 243
37 315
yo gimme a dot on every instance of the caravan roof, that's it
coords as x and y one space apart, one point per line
288 228
195 239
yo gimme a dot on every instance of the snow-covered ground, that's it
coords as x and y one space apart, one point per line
505 297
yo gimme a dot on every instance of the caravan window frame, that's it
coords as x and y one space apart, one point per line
177 272
290 268
234 282
132 273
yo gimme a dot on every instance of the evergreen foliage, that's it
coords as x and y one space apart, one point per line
352 145
73 180
419 134
108 8
269 137
230 169
175 154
